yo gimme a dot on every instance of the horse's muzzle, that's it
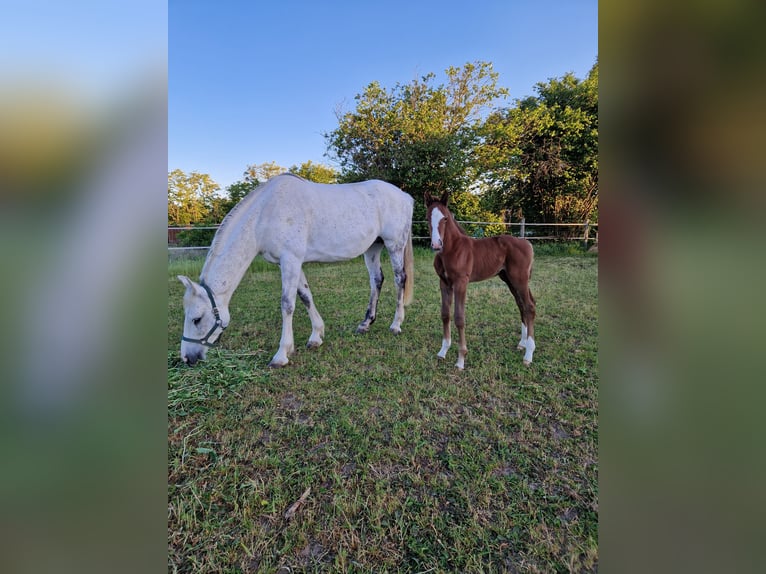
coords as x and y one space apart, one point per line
192 358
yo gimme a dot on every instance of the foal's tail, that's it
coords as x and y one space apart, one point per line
531 259
409 269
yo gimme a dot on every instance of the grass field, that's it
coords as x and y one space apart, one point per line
412 465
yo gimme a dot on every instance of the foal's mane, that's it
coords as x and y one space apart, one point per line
451 217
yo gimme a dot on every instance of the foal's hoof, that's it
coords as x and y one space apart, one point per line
521 347
395 330
361 330
313 345
527 363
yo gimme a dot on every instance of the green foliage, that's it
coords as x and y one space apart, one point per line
262 172
466 206
540 158
417 136
191 197
193 200
234 194
537 159
315 172
195 237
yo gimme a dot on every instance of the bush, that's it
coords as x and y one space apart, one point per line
195 237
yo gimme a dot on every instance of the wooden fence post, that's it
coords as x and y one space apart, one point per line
586 232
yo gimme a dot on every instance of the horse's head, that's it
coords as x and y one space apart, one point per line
436 214
204 321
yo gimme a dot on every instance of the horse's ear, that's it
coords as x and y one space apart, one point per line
428 198
444 198
188 283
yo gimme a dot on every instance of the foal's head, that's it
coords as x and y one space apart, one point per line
437 215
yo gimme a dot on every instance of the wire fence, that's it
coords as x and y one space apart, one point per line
585 231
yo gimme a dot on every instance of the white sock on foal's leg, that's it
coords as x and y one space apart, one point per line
530 346
523 342
445 347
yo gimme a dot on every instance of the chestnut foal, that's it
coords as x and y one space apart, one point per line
461 259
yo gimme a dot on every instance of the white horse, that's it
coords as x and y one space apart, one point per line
289 221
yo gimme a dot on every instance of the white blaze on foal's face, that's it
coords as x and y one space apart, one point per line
436 240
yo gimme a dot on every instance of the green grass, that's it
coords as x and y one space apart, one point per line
413 466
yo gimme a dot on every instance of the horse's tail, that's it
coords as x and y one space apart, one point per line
409 269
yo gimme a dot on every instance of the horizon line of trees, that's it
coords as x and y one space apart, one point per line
536 158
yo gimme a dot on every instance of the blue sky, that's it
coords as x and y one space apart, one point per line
255 82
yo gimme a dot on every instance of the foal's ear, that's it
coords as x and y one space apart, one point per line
428 198
444 198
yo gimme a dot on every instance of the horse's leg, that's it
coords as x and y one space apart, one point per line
317 324
372 260
446 305
529 321
523 341
461 288
291 275
400 278
518 282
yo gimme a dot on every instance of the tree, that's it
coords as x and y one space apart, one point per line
541 156
191 197
418 136
469 206
235 193
263 171
315 172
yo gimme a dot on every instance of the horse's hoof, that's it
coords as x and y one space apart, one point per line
395 331
521 347
362 330
527 363
313 345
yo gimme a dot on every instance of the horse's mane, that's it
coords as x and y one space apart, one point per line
229 222
459 227
294 175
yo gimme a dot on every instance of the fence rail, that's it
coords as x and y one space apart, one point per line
586 226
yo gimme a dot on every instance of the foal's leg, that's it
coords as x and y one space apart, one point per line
460 288
317 324
372 260
446 305
400 278
523 341
518 283
529 322
291 275
519 286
